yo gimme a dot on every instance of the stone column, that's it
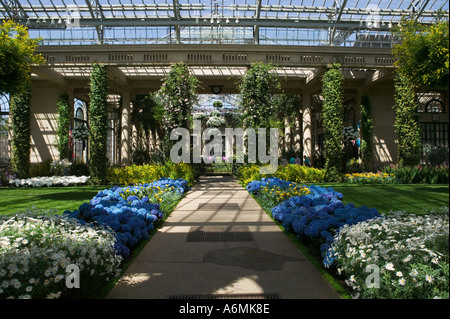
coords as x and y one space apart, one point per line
307 125
125 141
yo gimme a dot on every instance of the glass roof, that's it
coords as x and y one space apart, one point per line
290 22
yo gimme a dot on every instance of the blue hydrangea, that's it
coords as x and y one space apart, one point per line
317 215
131 219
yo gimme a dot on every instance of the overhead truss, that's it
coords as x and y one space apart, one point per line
339 17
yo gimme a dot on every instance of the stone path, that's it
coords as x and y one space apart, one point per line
219 243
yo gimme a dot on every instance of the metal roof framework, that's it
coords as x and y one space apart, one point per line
278 22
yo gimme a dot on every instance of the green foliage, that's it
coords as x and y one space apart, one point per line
16 57
435 155
20 114
423 53
178 95
418 174
41 169
333 115
407 121
148 113
62 131
366 132
217 104
291 172
257 88
139 174
98 119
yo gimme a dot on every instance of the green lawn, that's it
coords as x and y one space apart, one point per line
58 198
385 198
413 198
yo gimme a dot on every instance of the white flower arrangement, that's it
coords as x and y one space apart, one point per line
80 133
49 181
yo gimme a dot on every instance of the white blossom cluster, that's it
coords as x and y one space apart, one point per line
410 253
49 181
36 247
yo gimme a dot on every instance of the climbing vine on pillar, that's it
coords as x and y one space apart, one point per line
64 117
98 121
333 115
257 88
178 95
407 121
366 132
20 114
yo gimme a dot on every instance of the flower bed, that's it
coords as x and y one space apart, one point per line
36 247
131 212
315 212
49 181
369 178
319 215
408 252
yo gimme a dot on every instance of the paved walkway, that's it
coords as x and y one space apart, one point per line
219 243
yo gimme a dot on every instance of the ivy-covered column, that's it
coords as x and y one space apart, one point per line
333 117
407 122
62 130
20 106
98 121
366 126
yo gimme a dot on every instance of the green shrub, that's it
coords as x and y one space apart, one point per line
139 174
418 174
435 155
41 169
291 172
79 168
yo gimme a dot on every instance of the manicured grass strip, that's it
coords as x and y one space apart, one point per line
412 198
58 198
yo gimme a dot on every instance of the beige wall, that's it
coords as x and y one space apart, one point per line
381 99
44 121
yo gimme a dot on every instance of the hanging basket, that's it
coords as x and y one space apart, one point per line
80 133
218 104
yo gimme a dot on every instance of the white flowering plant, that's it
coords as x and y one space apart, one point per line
215 121
399 256
49 181
36 247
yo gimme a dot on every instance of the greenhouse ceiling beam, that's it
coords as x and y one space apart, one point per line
15 10
338 18
258 7
98 29
257 17
176 14
417 16
33 23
